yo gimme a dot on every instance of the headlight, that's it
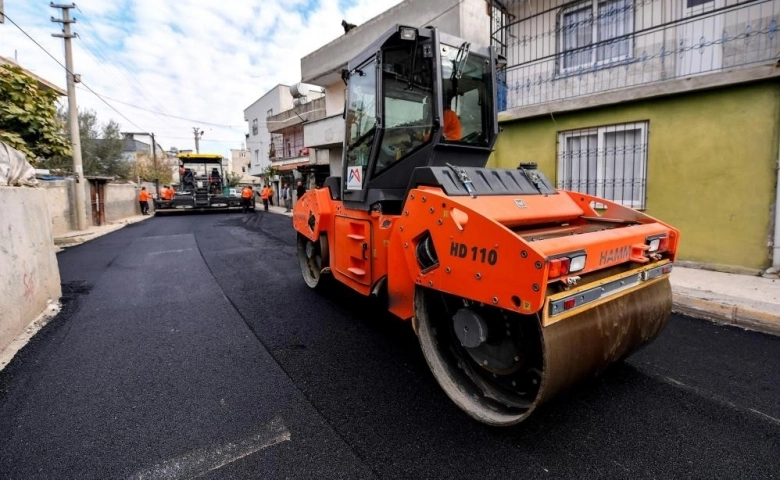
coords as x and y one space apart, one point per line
577 263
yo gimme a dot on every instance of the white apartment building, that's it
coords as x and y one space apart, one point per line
258 140
240 164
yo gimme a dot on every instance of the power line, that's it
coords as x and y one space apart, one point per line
173 116
71 73
102 57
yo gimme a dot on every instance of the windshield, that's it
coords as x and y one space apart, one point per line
467 95
407 82
361 122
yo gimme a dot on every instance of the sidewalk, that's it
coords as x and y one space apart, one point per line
745 301
77 237
275 209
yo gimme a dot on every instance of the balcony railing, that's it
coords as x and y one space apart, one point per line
307 112
560 50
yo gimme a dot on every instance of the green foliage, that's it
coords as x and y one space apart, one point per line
269 173
101 148
233 179
149 169
28 116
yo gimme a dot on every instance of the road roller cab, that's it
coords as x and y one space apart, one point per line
516 290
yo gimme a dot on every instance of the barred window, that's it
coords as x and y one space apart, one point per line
585 42
608 162
254 127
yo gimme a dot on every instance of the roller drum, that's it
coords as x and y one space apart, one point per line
565 352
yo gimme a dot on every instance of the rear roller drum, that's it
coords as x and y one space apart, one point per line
313 259
498 366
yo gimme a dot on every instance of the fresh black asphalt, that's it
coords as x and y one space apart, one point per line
189 346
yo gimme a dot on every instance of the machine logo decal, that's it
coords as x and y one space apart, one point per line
355 178
614 255
520 203
481 255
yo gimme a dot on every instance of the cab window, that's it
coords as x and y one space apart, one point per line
407 82
361 115
467 94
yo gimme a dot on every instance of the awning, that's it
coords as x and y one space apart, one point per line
291 166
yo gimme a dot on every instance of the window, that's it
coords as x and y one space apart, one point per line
408 104
243 169
361 115
467 84
608 162
595 32
269 113
696 3
254 127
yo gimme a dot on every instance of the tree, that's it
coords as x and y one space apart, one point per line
149 170
109 151
101 147
233 179
269 173
28 116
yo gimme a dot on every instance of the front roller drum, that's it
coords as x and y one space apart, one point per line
514 364
313 260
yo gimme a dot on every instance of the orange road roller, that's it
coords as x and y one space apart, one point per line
516 290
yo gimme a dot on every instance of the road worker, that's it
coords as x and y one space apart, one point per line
143 199
246 198
166 193
265 195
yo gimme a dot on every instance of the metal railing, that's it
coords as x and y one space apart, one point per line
608 162
307 112
557 50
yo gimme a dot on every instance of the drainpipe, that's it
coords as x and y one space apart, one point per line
776 238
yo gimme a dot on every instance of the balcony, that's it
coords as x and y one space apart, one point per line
307 112
325 133
291 163
629 45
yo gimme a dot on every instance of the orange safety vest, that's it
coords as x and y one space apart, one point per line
452 129
144 196
246 192
265 193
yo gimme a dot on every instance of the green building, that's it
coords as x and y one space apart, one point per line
667 106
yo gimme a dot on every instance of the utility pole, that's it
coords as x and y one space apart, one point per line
73 113
198 134
156 172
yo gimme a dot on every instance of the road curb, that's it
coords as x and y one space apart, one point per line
725 313
73 238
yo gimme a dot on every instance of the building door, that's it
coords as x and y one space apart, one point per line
97 196
698 49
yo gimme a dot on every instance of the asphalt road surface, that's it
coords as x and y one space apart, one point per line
189 346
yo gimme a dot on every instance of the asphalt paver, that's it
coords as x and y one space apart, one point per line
189 345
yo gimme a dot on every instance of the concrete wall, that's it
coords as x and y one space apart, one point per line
712 159
29 276
122 200
60 200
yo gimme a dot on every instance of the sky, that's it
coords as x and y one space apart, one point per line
167 67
